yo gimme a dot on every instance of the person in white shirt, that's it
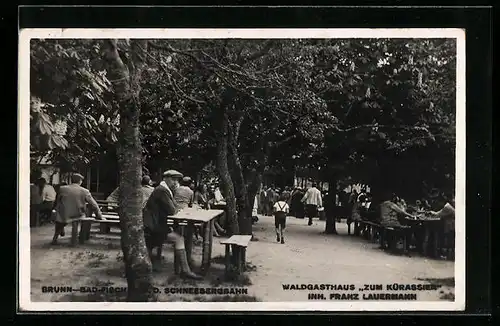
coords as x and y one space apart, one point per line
48 196
280 210
312 200
219 199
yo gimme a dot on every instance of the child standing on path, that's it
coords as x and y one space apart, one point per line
281 210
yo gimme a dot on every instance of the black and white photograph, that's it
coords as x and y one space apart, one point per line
242 169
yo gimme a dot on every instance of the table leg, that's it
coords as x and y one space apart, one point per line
237 251
188 241
210 241
206 247
425 242
74 232
435 243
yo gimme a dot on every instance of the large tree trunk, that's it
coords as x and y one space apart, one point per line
138 269
221 126
331 209
253 183
242 200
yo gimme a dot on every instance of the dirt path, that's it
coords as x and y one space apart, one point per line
308 256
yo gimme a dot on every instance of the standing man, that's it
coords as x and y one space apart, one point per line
312 200
71 203
48 194
161 204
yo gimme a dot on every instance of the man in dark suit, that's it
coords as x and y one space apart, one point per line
71 203
161 203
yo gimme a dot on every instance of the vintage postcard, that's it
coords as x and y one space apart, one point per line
241 170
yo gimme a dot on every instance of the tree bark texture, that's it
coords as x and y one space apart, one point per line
243 203
221 126
126 82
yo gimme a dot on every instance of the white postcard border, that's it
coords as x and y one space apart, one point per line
24 281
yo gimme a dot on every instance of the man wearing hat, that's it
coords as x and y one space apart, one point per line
71 203
161 204
184 195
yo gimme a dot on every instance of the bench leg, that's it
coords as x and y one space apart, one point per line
74 232
227 259
372 233
237 251
84 232
244 259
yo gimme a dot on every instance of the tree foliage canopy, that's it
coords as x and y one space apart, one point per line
358 107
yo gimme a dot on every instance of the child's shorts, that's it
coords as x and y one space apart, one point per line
280 220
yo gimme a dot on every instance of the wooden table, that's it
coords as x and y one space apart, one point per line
183 222
191 215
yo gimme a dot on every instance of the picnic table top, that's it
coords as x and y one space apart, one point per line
196 214
187 214
240 240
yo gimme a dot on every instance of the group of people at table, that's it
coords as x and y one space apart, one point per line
393 212
168 198
390 211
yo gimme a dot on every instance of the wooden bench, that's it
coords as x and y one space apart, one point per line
371 229
86 224
390 234
235 256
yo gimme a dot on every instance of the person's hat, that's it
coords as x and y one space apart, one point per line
186 179
76 177
172 174
146 180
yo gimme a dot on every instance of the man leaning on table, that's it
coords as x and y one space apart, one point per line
71 203
161 203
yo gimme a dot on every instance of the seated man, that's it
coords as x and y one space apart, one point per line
161 204
392 215
71 203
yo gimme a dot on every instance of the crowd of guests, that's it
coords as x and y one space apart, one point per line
167 197
393 211
272 201
176 192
